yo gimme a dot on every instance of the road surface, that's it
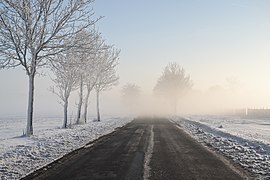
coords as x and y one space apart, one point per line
147 148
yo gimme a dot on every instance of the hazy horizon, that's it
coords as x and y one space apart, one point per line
222 45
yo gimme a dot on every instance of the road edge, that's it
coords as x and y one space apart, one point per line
69 155
232 165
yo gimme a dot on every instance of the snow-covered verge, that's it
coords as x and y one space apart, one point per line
20 155
252 155
252 129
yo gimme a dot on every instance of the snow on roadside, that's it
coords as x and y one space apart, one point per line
253 129
254 156
46 145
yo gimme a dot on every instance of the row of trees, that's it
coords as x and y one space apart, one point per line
57 34
85 68
173 84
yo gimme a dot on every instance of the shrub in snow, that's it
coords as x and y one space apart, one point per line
220 126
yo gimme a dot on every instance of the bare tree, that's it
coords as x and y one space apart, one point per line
80 98
90 78
66 77
87 60
92 71
90 81
106 77
33 31
173 83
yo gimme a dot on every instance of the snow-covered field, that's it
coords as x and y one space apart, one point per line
20 156
252 129
245 141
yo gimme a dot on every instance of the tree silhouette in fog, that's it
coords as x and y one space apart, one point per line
173 83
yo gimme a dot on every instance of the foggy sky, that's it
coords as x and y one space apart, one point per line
213 40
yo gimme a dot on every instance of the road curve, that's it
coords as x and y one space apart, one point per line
147 148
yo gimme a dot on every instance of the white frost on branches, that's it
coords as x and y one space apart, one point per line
66 79
32 32
106 77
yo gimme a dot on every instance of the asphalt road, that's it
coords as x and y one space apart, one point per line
147 148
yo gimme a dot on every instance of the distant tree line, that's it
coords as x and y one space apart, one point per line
172 85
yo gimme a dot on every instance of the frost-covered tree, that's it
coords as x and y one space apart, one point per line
75 69
88 62
66 77
34 31
106 77
80 97
91 71
90 82
173 83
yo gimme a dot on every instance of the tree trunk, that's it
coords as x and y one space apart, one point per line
80 101
98 113
86 104
65 113
29 126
